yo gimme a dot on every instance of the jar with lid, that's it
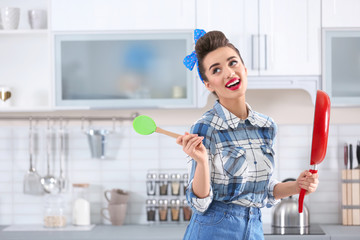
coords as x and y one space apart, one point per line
150 209
54 211
151 184
81 204
185 182
163 210
163 183
175 184
175 209
186 210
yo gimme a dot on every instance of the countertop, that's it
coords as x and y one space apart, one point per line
159 232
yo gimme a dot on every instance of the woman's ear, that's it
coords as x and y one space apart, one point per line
208 86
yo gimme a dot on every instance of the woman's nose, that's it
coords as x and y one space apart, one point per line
230 74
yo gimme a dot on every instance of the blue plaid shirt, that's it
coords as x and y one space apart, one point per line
241 159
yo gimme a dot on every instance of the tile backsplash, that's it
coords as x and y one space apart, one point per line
130 156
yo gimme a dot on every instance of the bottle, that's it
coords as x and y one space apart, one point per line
81 205
185 182
150 209
186 211
163 183
175 184
151 184
54 211
163 210
175 209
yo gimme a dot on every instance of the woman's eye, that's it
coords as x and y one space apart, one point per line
232 63
216 70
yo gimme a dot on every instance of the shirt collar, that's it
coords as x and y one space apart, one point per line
227 119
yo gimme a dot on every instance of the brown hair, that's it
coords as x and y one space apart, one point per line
208 43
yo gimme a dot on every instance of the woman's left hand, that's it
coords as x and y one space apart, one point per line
308 181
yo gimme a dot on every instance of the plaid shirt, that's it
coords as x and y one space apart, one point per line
240 159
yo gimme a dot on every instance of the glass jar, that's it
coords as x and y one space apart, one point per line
151 184
185 182
150 209
175 209
175 184
81 205
186 211
163 210
163 183
54 211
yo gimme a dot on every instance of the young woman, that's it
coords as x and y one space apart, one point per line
230 151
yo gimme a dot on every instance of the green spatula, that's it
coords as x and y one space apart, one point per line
145 125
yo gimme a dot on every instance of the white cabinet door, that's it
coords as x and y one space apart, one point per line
275 37
344 13
237 19
289 34
97 15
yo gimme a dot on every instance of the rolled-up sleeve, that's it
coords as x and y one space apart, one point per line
199 205
271 201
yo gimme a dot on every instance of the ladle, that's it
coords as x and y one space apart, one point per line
49 182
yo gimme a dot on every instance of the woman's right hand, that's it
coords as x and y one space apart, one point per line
192 146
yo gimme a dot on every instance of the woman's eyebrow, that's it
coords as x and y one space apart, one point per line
216 64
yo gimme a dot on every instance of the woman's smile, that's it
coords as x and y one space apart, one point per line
233 84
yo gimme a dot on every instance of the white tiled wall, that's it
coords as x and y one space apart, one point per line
131 155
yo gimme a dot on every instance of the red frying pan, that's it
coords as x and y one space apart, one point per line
320 136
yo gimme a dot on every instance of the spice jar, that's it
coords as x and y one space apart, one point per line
175 184
175 209
150 209
185 182
151 184
81 205
54 211
163 210
163 183
186 211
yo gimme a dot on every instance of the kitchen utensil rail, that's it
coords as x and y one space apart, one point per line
69 118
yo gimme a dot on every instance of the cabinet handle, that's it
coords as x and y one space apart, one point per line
255 52
263 64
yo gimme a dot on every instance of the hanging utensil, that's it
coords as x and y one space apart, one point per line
320 136
145 125
62 179
32 184
49 182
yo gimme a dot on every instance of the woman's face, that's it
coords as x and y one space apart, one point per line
226 74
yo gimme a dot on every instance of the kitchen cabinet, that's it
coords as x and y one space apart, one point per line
341 71
99 15
279 40
340 13
24 61
275 37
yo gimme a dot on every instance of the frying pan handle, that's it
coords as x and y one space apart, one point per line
302 194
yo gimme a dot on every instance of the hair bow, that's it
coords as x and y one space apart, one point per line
191 59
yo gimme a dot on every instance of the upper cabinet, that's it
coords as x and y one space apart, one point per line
340 13
99 15
341 51
24 59
275 37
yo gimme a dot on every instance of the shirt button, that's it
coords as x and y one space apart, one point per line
255 162
251 212
268 150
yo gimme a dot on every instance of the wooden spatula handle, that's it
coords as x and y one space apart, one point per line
168 133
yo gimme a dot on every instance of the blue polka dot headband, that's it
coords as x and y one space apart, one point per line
191 59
